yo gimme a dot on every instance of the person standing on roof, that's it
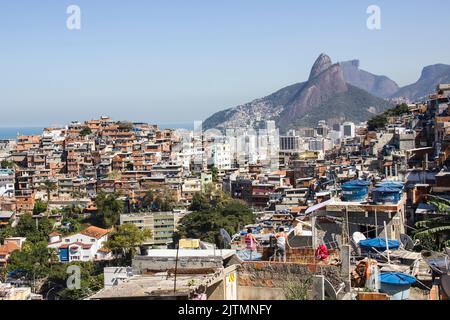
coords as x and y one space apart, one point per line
250 243
282 241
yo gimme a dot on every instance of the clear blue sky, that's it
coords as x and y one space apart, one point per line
167 61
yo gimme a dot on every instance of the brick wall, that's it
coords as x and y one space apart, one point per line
276 275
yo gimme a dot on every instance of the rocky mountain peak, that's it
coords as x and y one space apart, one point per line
434 71
322 63
325 96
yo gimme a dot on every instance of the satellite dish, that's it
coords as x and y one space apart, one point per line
407 242
358 236
226 236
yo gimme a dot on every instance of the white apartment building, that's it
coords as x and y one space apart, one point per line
219 155
6 183
349 130
86 245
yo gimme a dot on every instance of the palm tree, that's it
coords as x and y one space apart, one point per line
436 229
48 186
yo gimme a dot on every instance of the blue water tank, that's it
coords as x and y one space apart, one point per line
396 284
391 184
355 190
383 195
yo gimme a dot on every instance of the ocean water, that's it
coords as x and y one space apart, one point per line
13 132
180 125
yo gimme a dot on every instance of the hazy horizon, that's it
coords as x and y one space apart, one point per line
175 61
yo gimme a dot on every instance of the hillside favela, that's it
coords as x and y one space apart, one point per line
336 187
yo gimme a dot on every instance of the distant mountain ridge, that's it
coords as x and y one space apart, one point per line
326 94
431 76
333 92
380 86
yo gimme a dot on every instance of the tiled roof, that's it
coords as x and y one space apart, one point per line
94 232
9 247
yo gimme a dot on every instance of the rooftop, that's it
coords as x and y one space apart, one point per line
172 253
157 285
94 232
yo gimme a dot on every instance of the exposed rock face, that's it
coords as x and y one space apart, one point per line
322 63
326 80
325 94
380 86
430 78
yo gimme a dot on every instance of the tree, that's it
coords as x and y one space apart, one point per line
377 122
39 207
216 196
206 225
147 200
6 232
32 261
125 239
49 187
434 233
109 208
163 201
85 131
215 174
200 202
72 211
380 121
91 280
74 225
5 164
398 111
34 230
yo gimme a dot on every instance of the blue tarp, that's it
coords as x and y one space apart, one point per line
397 278
379 244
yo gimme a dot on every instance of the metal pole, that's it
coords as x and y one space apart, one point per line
176 269
376 224
387 242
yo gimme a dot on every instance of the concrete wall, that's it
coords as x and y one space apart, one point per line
264 280
216 291
260 293
143 263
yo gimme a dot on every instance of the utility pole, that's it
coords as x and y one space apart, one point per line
176 268
345 231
